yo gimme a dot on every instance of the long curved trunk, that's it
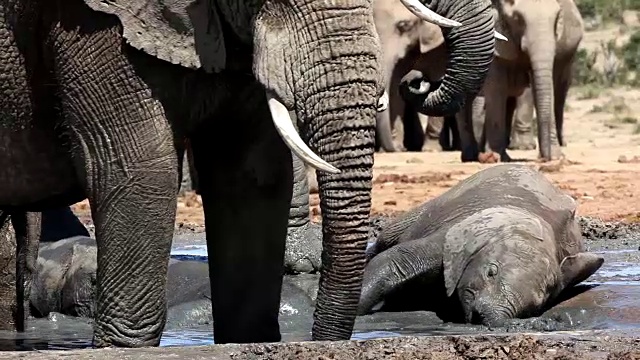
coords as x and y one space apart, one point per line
471 48
338 110
542 52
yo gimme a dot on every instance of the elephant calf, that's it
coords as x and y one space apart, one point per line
501 244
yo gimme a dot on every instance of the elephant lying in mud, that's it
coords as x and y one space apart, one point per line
501 244
98 97
65 279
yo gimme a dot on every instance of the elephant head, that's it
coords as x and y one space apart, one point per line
470 53
319 59
539 32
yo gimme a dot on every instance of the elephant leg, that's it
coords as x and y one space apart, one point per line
433 129
304 239
8 266
508 116
452 128
478 115
246 192
495 105
413 130
522 134
468 143
561 84
125 155
445 139
27 226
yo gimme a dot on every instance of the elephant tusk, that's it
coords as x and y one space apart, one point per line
500 36
383 102
284 124
426 14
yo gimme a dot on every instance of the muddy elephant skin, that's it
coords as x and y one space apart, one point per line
501 244
65 279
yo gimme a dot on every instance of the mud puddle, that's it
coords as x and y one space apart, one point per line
609 300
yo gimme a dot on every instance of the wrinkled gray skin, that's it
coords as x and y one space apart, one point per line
98 102
99 96
66 277
19 235
501 244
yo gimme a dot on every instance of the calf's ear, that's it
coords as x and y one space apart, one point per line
577 268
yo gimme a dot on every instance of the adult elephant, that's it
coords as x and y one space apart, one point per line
543 40
98 97
409 43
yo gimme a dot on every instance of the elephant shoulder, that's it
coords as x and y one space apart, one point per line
182 32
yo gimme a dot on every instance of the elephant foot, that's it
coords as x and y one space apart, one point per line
304 249
489 157
556 154
469 156
431 145
522 141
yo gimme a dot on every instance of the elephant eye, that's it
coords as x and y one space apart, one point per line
492 270
404 26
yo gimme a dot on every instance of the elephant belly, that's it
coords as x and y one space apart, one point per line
32 168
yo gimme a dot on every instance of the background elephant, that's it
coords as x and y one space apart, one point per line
543 39
408 42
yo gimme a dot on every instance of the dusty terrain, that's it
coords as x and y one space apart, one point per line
601 168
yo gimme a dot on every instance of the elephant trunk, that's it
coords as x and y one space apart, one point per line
541 55
471 48
336 102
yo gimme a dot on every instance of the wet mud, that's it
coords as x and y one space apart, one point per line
606 304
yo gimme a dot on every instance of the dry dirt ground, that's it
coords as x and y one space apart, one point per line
558 347
601 168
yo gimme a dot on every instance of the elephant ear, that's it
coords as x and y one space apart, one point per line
466 238
182 32
430 36
507 50
578 268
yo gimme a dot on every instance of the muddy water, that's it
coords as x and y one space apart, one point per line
608 300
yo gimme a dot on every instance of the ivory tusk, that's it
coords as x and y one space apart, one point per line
426 14
284 125
500 36
383 102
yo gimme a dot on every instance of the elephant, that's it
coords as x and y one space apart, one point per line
543 40
99 98
407 42
501 244
65 278
521 135
470 123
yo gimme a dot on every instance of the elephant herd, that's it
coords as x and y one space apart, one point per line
532 70
99 100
